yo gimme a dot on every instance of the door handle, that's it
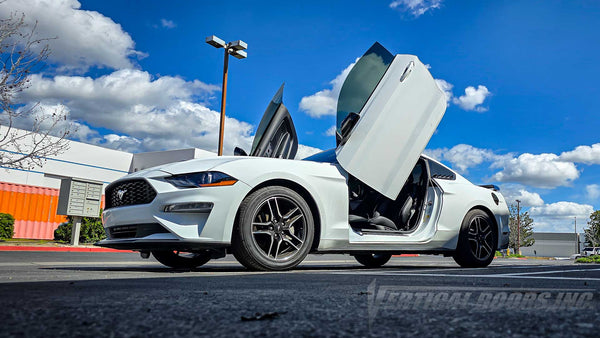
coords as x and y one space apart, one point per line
407 71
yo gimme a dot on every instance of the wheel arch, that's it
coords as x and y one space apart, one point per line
304 193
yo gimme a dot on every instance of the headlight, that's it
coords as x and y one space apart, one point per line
201 179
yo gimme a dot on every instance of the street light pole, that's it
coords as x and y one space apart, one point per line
576 237
235 48
518 227
223 99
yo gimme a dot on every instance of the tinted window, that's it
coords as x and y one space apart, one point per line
267 117
362 81
440 172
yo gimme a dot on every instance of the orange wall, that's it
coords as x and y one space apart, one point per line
34 209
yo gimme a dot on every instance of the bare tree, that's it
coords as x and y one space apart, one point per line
21 54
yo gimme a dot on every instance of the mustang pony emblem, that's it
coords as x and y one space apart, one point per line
121 193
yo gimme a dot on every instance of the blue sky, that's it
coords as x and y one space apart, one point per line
521 79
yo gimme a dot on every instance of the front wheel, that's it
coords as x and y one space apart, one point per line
274 230
477 240
182 260
374 260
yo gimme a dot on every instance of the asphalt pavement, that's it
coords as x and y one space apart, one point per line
121 295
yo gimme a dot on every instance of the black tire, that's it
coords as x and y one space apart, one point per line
373 260
182 260
477 241
272 218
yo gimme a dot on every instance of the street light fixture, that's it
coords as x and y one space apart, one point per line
236 49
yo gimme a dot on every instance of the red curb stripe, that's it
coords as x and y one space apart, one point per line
62 249
406 255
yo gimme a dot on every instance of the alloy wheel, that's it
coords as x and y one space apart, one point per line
279 228
481 238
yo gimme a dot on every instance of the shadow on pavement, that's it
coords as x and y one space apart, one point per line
304 268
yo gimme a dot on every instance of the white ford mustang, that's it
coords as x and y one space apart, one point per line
372 196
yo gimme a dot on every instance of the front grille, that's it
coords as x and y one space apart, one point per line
135 230
130 192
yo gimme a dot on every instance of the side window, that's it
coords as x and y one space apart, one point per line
440 172
362 81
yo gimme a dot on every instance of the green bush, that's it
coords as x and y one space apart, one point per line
91 230
63 232
7 226
590 259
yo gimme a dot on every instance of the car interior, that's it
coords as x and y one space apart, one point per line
370 211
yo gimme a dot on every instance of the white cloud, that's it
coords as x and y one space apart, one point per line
117 91
80 38
473 98
305 151
324 102
583 154
145 114
464 156
513 192
436 154
121 142
331 131
542 171
167 23
446 87
140 112
560 216
592 191
415 7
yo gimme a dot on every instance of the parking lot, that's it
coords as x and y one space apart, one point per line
119 294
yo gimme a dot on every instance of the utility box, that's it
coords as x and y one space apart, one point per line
79 197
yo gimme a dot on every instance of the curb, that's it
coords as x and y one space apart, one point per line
406 255
57 249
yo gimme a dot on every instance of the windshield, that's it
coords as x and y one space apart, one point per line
362 81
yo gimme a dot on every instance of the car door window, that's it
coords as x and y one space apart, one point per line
362 81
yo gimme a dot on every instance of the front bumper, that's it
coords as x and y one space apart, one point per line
201 229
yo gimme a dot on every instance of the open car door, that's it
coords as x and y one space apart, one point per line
388 109
276 135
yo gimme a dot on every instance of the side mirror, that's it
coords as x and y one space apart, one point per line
239 152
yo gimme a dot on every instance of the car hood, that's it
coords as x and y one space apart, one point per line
197 164
183 167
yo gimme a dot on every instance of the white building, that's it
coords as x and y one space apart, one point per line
31 196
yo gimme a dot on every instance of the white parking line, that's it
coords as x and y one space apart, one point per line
546 272
517 275
498 276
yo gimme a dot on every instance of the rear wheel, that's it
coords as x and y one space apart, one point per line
274 230
182 260
373 260
477 241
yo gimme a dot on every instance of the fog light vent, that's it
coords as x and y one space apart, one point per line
189 207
